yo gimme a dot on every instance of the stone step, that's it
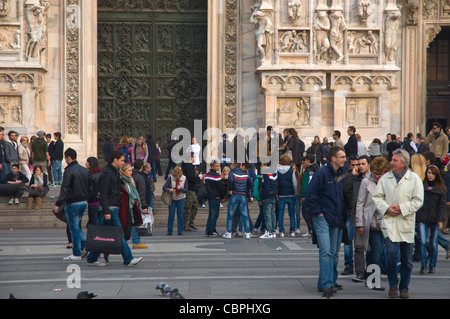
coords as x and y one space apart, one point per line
18 217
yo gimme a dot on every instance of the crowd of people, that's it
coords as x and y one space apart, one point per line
388 203
30 165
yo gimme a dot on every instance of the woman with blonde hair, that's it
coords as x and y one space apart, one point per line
139 150
176 184
24 156
418 165
124 147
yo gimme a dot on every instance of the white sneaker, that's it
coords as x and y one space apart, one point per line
97 264
227 235
292 234
297 231
72 258
203 206
247 236
16 201
307 234
11 201
134 261
281 235
266 235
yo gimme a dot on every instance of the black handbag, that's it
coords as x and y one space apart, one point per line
61 214
104 239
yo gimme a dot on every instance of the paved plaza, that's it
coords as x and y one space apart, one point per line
200 267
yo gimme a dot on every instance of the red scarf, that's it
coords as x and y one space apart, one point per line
177 183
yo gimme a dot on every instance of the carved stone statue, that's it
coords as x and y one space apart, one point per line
294 9
34 15
390 36
264 33
5 7
16 45
321 27
365 10
294 43
338 27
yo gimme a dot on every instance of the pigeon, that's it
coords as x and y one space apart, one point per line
175 294
164 288
86 295
11 296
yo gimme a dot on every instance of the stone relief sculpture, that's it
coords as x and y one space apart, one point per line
34 15
321 42
294 42
392 22
294 9
264 33
5 7
338 27
446 7
362 111
293 111
358 43
365 11
17 44
11 111
303 112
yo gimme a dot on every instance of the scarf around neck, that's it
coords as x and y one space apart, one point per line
133 195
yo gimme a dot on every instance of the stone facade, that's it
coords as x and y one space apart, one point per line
315 65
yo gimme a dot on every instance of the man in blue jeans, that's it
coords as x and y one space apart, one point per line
109 189
239 185
324 200
57 159
75 191
215 192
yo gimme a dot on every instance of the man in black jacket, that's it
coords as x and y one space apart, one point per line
109 189
215 192
351 148
57 157
75 191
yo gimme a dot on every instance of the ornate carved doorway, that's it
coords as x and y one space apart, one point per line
438 80
152 67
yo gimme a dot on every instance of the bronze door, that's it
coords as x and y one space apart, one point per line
152 67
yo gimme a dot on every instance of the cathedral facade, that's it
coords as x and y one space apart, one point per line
96 68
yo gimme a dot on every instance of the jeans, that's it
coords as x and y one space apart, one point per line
213 214
269 208
135 238
375 249
94 213
74 213
329 241
170 166
290 201
57 171
406 253
179 206
153 171
126 251
238 202
423 235
298 208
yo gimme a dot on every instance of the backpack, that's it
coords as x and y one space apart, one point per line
125 150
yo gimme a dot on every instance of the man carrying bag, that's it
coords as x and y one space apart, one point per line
109 189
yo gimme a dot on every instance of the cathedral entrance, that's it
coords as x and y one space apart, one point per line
152 68
438 80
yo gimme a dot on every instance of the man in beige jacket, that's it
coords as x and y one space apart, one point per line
439 143
399 195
